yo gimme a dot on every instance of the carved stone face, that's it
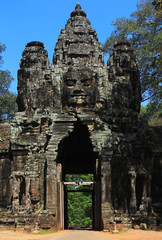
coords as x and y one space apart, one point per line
79 88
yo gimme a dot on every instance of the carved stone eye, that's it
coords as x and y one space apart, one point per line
86 82
70 83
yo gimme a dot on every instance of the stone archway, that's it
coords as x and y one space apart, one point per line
76 156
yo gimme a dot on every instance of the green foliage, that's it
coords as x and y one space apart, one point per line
79 208
143 29
8 104
2 48
158 7
143 110
153 113
42 232
79 204
157 121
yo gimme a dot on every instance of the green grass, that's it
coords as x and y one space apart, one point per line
45 232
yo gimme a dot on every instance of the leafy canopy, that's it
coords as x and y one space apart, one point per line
153 113
79 204
8 104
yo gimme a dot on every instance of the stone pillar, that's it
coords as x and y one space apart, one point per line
16 189
106 182
27 194
51 191
149 199
146 201
11 191
51 182
133 201
60 198
143 206
59 172
97 197
106 204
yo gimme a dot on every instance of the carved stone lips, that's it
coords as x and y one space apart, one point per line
78 96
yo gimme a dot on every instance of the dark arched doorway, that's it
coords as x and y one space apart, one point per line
76 156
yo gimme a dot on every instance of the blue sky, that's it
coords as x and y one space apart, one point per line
23 21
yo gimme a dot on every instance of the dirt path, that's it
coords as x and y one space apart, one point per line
83 235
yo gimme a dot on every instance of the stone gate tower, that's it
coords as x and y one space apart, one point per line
78 116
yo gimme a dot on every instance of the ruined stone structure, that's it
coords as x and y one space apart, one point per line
78 116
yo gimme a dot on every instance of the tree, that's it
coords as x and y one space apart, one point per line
153 113
158 7
143 29
79 204
8 104
157 120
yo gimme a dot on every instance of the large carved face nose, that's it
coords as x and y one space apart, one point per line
78 89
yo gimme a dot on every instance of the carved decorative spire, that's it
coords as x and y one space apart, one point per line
78 7
78 11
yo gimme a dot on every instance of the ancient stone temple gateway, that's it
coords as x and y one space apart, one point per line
78 116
